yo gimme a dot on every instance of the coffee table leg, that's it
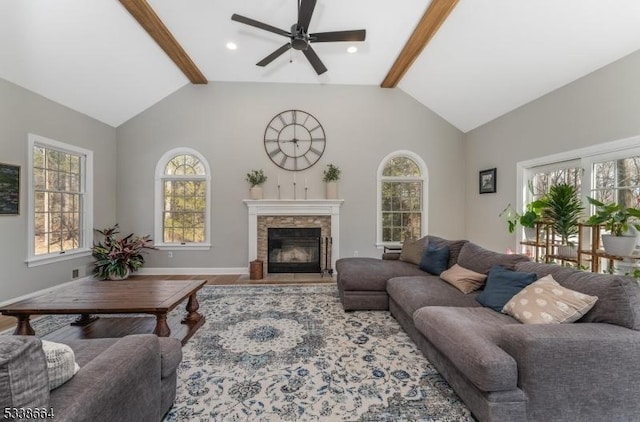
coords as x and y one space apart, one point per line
162 328
192 309
84 319
23 328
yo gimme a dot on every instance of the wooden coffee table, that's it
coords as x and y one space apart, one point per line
156 297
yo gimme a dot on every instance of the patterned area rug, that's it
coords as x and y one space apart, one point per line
271 353
290 353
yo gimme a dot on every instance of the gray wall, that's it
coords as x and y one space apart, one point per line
600 107
226 122
23 112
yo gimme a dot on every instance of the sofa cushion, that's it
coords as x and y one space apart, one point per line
469 337
618 296
463 279
478 259
61 363
170 355
454 247
371 274
412 293
502 285
435 260
23 373
412 250
547 302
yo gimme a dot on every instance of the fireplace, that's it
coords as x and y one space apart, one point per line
293 250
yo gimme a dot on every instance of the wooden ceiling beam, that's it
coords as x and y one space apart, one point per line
149 20
433 18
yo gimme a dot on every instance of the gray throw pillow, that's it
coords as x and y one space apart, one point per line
412 250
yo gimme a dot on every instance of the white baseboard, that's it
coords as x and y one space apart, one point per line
192 271
43 291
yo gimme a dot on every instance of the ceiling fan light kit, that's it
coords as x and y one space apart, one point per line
299 36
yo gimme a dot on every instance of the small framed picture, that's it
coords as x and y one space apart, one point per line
9 189
487 181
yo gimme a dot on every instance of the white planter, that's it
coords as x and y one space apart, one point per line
568 251
530 234
115 277
255 192
618 245
332 190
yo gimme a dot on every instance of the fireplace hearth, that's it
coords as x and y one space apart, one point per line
294 250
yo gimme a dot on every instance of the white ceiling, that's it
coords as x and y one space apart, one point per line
487 59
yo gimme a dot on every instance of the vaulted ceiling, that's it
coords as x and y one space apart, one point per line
487 58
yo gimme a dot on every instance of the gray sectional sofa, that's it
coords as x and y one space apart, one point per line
130 379
502 369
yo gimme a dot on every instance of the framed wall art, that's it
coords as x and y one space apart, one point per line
9 189
487 181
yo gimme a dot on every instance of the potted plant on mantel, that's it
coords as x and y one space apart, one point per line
117 258
331 177
564 209
256 178
619 242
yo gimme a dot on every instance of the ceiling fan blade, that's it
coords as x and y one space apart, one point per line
305 12
271 57
356 35
251 22
314 60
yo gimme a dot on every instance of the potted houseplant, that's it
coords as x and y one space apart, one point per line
331 177
117 257
563 209
256 178
616 221
528 220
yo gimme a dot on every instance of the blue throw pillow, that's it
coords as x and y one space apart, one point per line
502 285
435 260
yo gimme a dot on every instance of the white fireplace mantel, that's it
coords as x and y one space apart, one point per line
330 207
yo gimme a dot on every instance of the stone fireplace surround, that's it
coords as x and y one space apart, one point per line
265 213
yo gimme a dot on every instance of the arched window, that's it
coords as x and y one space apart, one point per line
402 198
182 205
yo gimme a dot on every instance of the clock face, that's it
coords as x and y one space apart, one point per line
294 140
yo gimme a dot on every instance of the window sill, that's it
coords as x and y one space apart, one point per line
183 247
36 261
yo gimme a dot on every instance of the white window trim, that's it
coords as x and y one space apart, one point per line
424 176
87 205
158 205
583 157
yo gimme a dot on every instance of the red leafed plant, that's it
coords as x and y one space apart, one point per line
115 258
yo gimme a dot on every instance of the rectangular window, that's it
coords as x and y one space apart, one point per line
184 211
617 181
542 179
57 200
401 210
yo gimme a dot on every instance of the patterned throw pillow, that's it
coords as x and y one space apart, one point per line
412 250
547 302
463 279
61 363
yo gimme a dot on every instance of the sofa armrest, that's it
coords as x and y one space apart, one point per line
120 384
581 371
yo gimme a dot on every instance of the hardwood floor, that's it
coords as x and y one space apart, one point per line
7 322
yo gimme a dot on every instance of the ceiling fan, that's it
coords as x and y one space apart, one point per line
299 37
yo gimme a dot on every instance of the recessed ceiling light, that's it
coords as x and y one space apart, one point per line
352 49
232 46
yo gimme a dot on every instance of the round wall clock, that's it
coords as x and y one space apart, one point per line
294 140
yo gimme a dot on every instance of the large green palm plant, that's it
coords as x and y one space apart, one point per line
564 210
